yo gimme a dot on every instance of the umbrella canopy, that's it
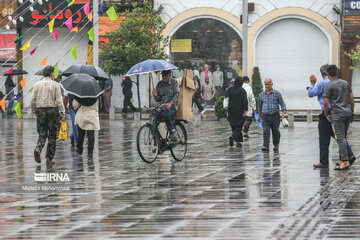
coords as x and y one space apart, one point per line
82 85
17 72
93 71
151 65
41 73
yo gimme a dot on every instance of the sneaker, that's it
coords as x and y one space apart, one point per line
173 136
37 155
265 149
203 111
231 141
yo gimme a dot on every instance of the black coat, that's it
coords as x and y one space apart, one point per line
238 104
127 85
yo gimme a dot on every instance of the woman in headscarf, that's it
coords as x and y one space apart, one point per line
9 86
237 108
127 84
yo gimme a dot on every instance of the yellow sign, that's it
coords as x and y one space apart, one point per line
181 45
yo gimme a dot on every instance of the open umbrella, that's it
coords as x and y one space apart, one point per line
17 72
151 65
93 71
82 85
41 73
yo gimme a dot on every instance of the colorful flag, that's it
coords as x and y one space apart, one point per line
55 34
18 110
18 40
56 71
101 10
90 15
91 34
10 70
75 29
68 1
73 52
48 14
26 46
2 104
68 23
87 8
51 25
31 90
32 51
23 82
71 3
111 13
18 96
43 62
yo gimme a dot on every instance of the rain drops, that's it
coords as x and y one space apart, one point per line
31 8
21 19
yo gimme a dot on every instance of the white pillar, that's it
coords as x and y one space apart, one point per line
96 32
245 37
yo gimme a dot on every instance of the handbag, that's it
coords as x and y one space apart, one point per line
285 122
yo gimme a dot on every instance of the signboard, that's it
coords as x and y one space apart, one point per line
60 10
181 45
7 46
352 7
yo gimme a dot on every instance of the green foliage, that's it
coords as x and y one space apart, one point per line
138 38
220 111
339 75
256 84
355 55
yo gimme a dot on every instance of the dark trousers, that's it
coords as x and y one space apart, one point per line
128 103
271 122
91 140
165 115
197 101
10 105
46 123
325 134
236 131
247 123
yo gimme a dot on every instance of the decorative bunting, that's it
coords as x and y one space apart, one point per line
48 14
18 40
18 96
90 15
68 1
101 10
26 46
72 2
10 71
55 34
75 29
23 82
2 104
51 25
43 62
91 34
111 13
31 90
87 8
18 110
73 52
56 71
68 23
32 51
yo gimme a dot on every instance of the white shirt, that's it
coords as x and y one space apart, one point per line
251 99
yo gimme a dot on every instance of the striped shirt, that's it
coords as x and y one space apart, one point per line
269 103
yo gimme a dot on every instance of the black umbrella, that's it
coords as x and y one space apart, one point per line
82 85
41 73
93 71
17 72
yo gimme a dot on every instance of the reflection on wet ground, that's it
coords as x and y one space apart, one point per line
217 192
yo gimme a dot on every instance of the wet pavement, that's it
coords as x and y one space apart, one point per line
216 192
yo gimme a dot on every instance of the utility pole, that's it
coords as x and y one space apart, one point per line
245 37
96 32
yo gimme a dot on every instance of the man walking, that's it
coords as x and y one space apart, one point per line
47 103
251 105
324 126
339 94
269 102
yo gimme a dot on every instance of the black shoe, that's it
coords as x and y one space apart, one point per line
72 142
352 159
265 149
90 154
79 151
231 141
246 135
49 162
238 144
37 155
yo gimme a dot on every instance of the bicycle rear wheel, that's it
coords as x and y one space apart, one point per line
178 150
147 143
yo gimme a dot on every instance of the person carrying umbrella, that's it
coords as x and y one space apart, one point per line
9 91
47 103
167 92
127 85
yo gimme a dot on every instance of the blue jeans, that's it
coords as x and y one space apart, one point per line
165 115
74 134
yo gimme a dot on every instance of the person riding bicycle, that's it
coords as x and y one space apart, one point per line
168 95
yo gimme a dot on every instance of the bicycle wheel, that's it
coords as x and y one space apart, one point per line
178 150
147 144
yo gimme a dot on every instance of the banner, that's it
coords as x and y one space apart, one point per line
56 8
7 46
352 7
181 45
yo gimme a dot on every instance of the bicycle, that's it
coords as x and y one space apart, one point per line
150 142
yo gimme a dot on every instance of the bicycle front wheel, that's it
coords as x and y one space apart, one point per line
178 151
147 143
